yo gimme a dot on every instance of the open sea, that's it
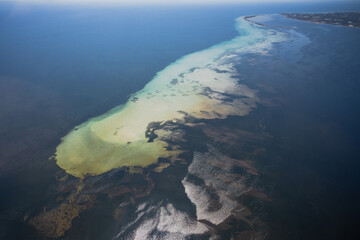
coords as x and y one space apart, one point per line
298 148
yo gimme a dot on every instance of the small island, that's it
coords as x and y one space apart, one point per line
349 19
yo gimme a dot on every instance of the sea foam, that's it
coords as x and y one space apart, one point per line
161 221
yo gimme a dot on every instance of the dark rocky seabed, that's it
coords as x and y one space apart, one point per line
294 158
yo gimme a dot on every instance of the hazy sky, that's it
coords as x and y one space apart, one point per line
167 2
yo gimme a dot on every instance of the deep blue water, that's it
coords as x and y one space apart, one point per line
80 54
66 48
62 65
317 133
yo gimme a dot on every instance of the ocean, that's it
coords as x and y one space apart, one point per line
60 66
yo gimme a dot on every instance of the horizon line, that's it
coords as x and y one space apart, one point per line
166 3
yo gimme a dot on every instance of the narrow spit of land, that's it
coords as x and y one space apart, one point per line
248 18
349 19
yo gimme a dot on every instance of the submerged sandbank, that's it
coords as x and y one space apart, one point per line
204 84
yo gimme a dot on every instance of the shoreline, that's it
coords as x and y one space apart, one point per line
247 18
346 19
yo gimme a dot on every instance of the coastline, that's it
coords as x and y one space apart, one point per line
346 19
247 18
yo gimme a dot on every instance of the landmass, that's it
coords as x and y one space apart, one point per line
349 19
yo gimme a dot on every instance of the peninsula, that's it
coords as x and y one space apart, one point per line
349 19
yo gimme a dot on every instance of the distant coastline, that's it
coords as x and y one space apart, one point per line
348 19
248 18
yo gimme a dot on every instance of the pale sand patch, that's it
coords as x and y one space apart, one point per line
198 84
